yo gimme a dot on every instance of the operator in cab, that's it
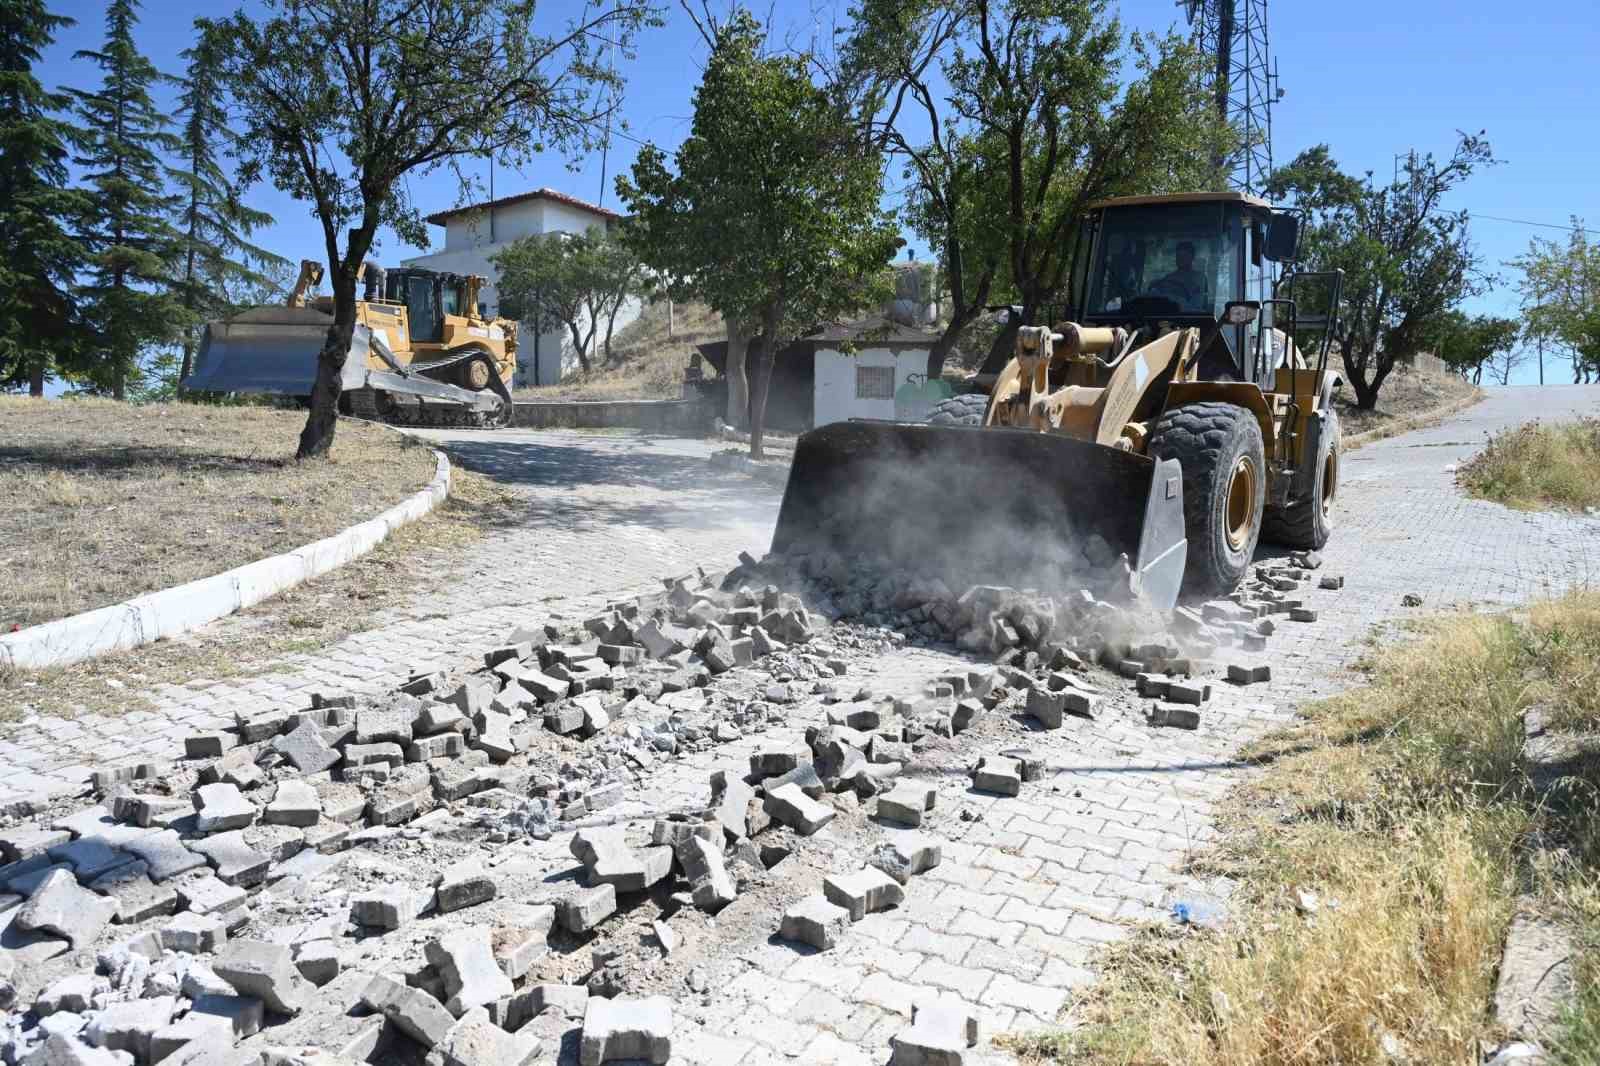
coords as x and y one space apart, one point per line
1185 284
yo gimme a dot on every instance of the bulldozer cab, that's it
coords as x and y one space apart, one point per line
1158 263
429 298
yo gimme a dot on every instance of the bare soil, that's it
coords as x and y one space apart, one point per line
1409 393
106 500
645 364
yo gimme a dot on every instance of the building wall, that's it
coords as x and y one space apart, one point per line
467 250
836 381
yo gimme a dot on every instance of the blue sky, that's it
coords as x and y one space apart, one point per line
1371 78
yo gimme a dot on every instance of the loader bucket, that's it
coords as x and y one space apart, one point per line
986 506
269 349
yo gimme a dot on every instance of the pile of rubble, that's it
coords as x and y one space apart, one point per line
204 912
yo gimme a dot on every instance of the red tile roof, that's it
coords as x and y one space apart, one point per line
438 218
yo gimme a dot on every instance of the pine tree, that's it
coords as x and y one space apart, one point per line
38 325
218 259
129 304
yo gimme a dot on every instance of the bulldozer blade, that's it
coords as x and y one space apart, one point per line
986 506
267 349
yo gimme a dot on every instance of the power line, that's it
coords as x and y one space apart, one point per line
1542 225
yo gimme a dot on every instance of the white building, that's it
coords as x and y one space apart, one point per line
474 233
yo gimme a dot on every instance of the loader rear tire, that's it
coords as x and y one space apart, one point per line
964 410
1219 447
1308 522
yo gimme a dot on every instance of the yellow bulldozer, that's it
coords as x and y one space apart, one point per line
422 353
1170 423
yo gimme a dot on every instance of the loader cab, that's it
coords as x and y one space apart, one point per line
1156 263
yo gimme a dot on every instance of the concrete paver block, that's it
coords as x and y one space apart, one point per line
623 1028
815 921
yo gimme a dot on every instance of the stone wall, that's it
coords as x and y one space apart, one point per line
690 418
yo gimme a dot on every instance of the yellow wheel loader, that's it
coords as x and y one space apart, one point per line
422 352
1153 438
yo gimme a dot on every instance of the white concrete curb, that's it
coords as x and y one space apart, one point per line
188 606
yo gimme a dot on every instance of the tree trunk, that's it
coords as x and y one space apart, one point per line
763 380
735 371
36 379
317 436
188 360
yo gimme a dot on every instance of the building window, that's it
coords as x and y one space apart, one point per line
875 383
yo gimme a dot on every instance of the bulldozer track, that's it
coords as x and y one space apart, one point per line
365 403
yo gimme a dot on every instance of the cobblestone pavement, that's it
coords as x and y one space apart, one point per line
1026 894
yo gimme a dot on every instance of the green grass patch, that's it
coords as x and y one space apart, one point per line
1538 466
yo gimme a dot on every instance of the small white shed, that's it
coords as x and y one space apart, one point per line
870 368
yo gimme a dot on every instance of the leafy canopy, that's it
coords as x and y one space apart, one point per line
1407 258
578 280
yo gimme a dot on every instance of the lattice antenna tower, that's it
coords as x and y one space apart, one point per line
1243 78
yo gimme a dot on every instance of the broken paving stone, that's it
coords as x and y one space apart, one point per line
209 894
587 908
804 776
1174 715
1049 708
386 752
373 726
942 1029
235 861
305 749
703 865
906 803
607 859
464 960
625 1028
774 762
463 884
435 718
995 773
61 907
136 896
264 971
864 892
74 993
568 718
129 1026
796 810
521 936
1331 581
411 1010
731 801
1249 673
1190 692
89 858
388 908
906 854
295 803
475 1040
317 961
1307 614
813 920
206 1031
193 934
222 806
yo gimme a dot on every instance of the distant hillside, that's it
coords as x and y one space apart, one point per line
646 363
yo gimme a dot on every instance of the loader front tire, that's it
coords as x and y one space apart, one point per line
1219 447
965 409
1308 522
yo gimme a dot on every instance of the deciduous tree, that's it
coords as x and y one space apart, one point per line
339 100
38 319
1407 258
1469 343
579 280
771 211
1010 117
1561 293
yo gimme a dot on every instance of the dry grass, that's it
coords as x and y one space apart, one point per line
1538 465
1404 807
646 364
417 560
105 501
1410 393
